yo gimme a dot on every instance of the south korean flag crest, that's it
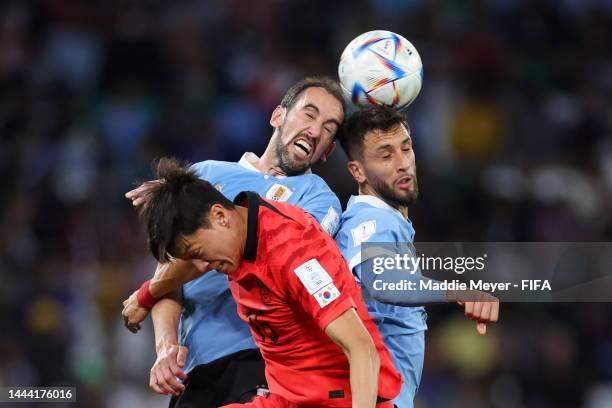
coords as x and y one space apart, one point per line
327 295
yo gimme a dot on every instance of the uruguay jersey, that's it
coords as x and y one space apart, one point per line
369 219
210 327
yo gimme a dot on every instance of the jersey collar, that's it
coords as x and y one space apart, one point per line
249 159
373 201
252 201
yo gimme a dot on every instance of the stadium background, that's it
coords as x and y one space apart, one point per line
513 133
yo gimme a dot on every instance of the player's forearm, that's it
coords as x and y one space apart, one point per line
166 315
348 332
364 365
171 276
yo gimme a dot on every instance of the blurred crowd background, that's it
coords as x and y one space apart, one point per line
513 136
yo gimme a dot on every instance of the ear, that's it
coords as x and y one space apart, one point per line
356 170
278 117
219 215
330 149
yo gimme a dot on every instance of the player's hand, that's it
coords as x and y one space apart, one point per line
168 366
133 313
482 307
138 195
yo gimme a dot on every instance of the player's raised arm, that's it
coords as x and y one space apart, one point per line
168 277
348 332
171 272
479 306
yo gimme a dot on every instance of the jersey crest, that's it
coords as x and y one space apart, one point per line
278 192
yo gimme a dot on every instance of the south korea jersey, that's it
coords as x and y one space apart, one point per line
369 219
210 327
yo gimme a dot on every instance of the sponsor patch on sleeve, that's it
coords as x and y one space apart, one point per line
363 232
313 276
331 221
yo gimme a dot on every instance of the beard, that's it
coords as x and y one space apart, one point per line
285 162
391 197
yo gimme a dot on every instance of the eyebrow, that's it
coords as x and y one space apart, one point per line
383 147
332 120
387 146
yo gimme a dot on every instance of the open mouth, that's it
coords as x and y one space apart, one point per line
303 147
404 182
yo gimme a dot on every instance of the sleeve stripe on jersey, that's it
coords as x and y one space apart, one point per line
368 253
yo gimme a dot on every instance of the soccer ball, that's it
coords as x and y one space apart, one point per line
380 68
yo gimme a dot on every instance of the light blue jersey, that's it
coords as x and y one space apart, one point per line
210 327
370 219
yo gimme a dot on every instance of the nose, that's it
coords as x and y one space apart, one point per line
403 163
315 130
200 265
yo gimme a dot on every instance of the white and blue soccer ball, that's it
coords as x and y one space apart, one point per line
381 68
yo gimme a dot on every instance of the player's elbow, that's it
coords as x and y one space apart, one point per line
363 347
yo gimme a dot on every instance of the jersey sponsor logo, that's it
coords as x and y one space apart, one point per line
331 221
363 232
278 192
327 295
313 276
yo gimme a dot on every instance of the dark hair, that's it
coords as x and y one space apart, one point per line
365 120
326 83
176 206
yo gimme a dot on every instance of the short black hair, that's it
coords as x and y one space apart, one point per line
176 206
324 82
366 120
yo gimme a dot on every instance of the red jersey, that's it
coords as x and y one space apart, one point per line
291 283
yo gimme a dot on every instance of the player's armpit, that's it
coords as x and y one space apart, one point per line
348 332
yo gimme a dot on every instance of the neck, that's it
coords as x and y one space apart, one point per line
243 222
269 162
365 189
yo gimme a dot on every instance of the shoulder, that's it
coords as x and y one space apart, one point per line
313 181
375 219
205 167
